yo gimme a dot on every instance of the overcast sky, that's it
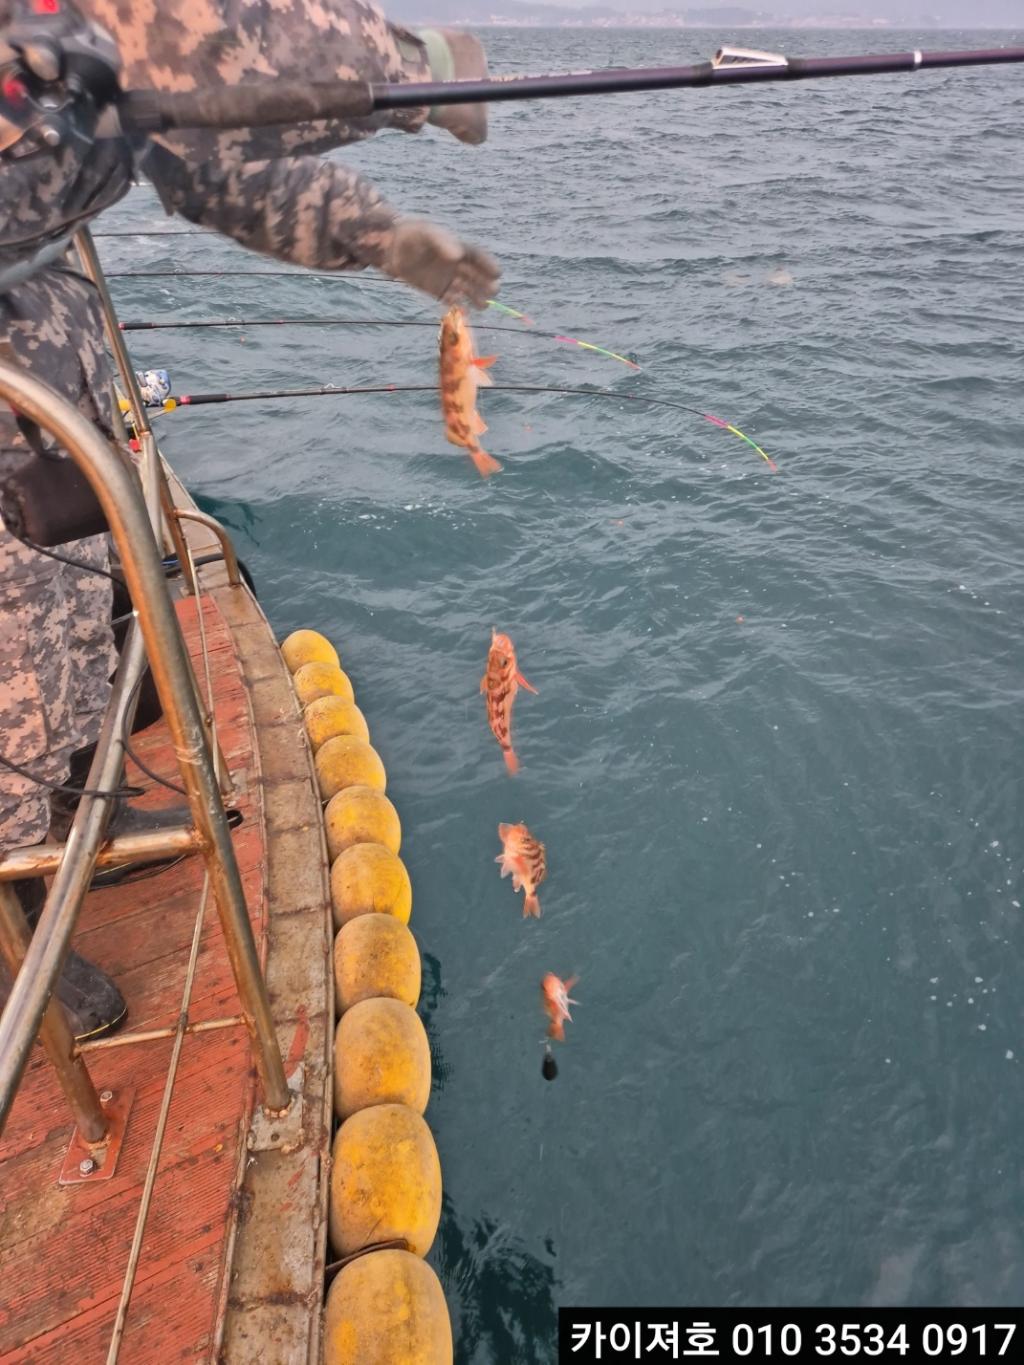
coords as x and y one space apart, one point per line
965 12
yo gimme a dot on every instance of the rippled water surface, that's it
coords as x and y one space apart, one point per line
775 755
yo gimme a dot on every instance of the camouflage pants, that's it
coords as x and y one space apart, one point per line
56 644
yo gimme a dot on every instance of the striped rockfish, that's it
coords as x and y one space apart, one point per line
462 370
523 857
499 685
555 997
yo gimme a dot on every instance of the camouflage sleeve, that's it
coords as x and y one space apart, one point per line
303 210
187 44
49 195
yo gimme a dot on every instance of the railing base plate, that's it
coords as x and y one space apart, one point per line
281 1132
84 1162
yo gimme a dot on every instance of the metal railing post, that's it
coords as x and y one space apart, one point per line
157 494
125 510
54 1034
162 512
42 860
224 540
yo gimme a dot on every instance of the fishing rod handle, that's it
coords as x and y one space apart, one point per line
244 106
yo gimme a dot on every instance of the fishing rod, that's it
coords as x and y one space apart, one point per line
374 322
143 326
287 102
158 232
297 274
314 322
58 58
195 400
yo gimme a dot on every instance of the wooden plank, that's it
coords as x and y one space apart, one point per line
278 1268
63 1250
34 1202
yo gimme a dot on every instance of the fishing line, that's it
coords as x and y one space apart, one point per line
341 322
364 279
297 274
570 341
160 232
642 398
126 744
161 781
314 322
66 559
140 326
202 399
125 791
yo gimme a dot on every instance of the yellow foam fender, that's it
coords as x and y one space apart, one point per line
387 1308
347 761
321 680
369 879
360 815
381 1056
375 955
385 1181
307 647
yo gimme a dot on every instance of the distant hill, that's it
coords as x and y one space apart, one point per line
907 13
522 11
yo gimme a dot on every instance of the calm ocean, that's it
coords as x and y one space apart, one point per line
776 752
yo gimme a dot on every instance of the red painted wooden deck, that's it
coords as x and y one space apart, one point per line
63 1251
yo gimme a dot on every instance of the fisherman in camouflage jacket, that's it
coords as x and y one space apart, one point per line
266 188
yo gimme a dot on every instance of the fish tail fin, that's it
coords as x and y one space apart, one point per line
485 464
511 762
531 906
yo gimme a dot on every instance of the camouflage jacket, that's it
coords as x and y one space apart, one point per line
267 188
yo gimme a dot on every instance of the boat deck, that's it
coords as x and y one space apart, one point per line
231 1255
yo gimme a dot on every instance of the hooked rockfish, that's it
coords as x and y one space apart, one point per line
523 856
499 685
462 370
556 1001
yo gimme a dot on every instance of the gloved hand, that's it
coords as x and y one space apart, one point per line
434 260
455 55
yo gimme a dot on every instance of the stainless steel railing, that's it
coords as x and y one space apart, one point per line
138 509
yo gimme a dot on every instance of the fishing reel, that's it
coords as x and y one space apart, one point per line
57 73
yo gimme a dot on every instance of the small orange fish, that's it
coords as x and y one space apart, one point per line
499 685
462 370
554 993
524 858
